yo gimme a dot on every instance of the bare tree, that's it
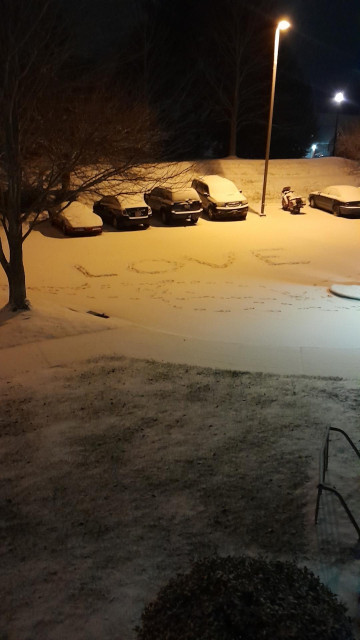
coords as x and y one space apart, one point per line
348 142
62 134
237 64
65 131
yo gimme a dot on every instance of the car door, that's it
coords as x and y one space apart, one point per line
323 202
203 191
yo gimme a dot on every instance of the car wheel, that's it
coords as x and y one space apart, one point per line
336 210
145 226
115 222
164 216
194 220
210 212
312 202
64 229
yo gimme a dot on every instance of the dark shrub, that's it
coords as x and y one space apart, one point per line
240 598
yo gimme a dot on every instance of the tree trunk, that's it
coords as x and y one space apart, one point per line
16 273
233 134
234 118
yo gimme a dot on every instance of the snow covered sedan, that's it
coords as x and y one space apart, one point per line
124 212
77 219
338 199
220 197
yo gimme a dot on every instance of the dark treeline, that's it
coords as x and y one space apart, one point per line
203 67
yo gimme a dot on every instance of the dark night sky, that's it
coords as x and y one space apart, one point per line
325 35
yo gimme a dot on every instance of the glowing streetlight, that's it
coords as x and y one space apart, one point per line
282 26
338 99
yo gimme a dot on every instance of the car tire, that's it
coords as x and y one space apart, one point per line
194 220
146 226
336 210
115 222
164 217
64 229
312 202
210 212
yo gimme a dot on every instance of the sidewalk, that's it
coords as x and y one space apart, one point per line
139 342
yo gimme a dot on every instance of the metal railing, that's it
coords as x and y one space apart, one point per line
323 466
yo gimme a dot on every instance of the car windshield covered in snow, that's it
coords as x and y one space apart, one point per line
222 188
184 194
132 200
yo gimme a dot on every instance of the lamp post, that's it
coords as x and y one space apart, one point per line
351 291
282 26
338 98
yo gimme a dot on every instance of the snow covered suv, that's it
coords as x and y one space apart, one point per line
174 204
124 212
220 197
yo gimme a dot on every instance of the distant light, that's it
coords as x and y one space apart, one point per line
283 25
339 97
313 146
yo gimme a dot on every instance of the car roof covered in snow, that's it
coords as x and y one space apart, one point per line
185 193
221 187
344 192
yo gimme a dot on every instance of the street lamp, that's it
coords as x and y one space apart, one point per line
282 26
338 98
351 291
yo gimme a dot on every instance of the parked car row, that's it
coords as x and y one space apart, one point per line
218 197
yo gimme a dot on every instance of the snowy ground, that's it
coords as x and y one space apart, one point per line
228 287
247 296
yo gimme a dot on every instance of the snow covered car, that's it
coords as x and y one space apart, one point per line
220 197
124 212
339 199
77 219
175 204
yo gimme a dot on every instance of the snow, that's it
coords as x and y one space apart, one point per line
80 215
248 295
132 201
346 193
184 194
222 188
260 284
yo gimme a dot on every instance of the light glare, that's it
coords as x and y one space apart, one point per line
339 97
283 25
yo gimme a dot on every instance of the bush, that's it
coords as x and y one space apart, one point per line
241 598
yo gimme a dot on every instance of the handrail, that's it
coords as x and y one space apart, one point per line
323 466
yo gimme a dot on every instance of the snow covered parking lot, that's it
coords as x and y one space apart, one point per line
260 284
